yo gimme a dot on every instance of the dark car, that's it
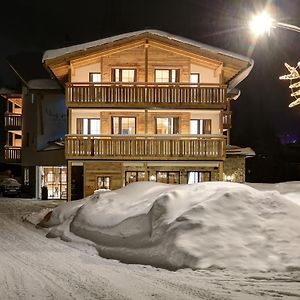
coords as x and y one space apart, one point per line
10 187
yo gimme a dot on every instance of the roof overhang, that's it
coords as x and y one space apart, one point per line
235 67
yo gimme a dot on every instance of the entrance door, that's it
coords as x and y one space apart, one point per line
55 180
77 183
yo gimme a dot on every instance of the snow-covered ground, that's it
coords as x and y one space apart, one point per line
34 267
205 225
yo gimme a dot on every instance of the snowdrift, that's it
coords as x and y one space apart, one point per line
205 225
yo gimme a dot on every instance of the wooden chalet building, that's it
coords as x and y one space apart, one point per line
146 105
11 132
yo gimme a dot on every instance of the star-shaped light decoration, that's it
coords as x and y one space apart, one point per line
294 86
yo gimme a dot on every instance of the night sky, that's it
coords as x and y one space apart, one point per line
261 117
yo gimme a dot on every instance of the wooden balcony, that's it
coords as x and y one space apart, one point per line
145 147
13 121
144 95
227 119
12 154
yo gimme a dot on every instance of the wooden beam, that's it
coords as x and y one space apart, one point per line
146 60
205 61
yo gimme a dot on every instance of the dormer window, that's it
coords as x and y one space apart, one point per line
167 75
95 77
124 75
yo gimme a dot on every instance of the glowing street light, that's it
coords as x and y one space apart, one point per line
263 23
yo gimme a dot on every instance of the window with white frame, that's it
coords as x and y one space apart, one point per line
124 75
103 182
88 126
123 125
167 125
198 176
134 176
166 75
194 78
95 77
171 177
200 126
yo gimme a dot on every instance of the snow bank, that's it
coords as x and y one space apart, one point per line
206 225
290 190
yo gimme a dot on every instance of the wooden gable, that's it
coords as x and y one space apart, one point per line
160 50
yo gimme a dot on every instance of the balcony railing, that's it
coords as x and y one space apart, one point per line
183 95
145 147
227 119
13 121
12 154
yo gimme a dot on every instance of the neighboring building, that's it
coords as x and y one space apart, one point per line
11 132
44 128
146 105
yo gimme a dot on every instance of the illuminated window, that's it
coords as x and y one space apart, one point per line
103 183
123 125
124 75
55 179
168 125
171 177
88 126
134 176
200 126
26 176
166 75
195 78
95 77
198 176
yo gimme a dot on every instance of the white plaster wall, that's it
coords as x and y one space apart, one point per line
207 75
81 74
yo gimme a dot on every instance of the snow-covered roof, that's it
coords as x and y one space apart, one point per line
51 54
6 91
72 51
236 150
43 84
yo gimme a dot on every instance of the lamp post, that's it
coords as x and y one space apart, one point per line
263 23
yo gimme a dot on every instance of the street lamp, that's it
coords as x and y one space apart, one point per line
263 23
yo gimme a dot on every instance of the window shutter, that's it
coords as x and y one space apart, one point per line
79 126
176 125
113 75
177 75
207 126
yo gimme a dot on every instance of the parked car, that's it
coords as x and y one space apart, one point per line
10 187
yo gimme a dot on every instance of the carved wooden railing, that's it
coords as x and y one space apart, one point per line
145 147
12 154
145 95
13 121
227 119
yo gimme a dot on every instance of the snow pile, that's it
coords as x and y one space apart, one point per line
205 225
290 190
37 217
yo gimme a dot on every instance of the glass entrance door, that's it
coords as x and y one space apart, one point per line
55 179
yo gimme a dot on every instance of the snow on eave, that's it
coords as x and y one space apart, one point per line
62 52
56 53
8 92
43 84
236 150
